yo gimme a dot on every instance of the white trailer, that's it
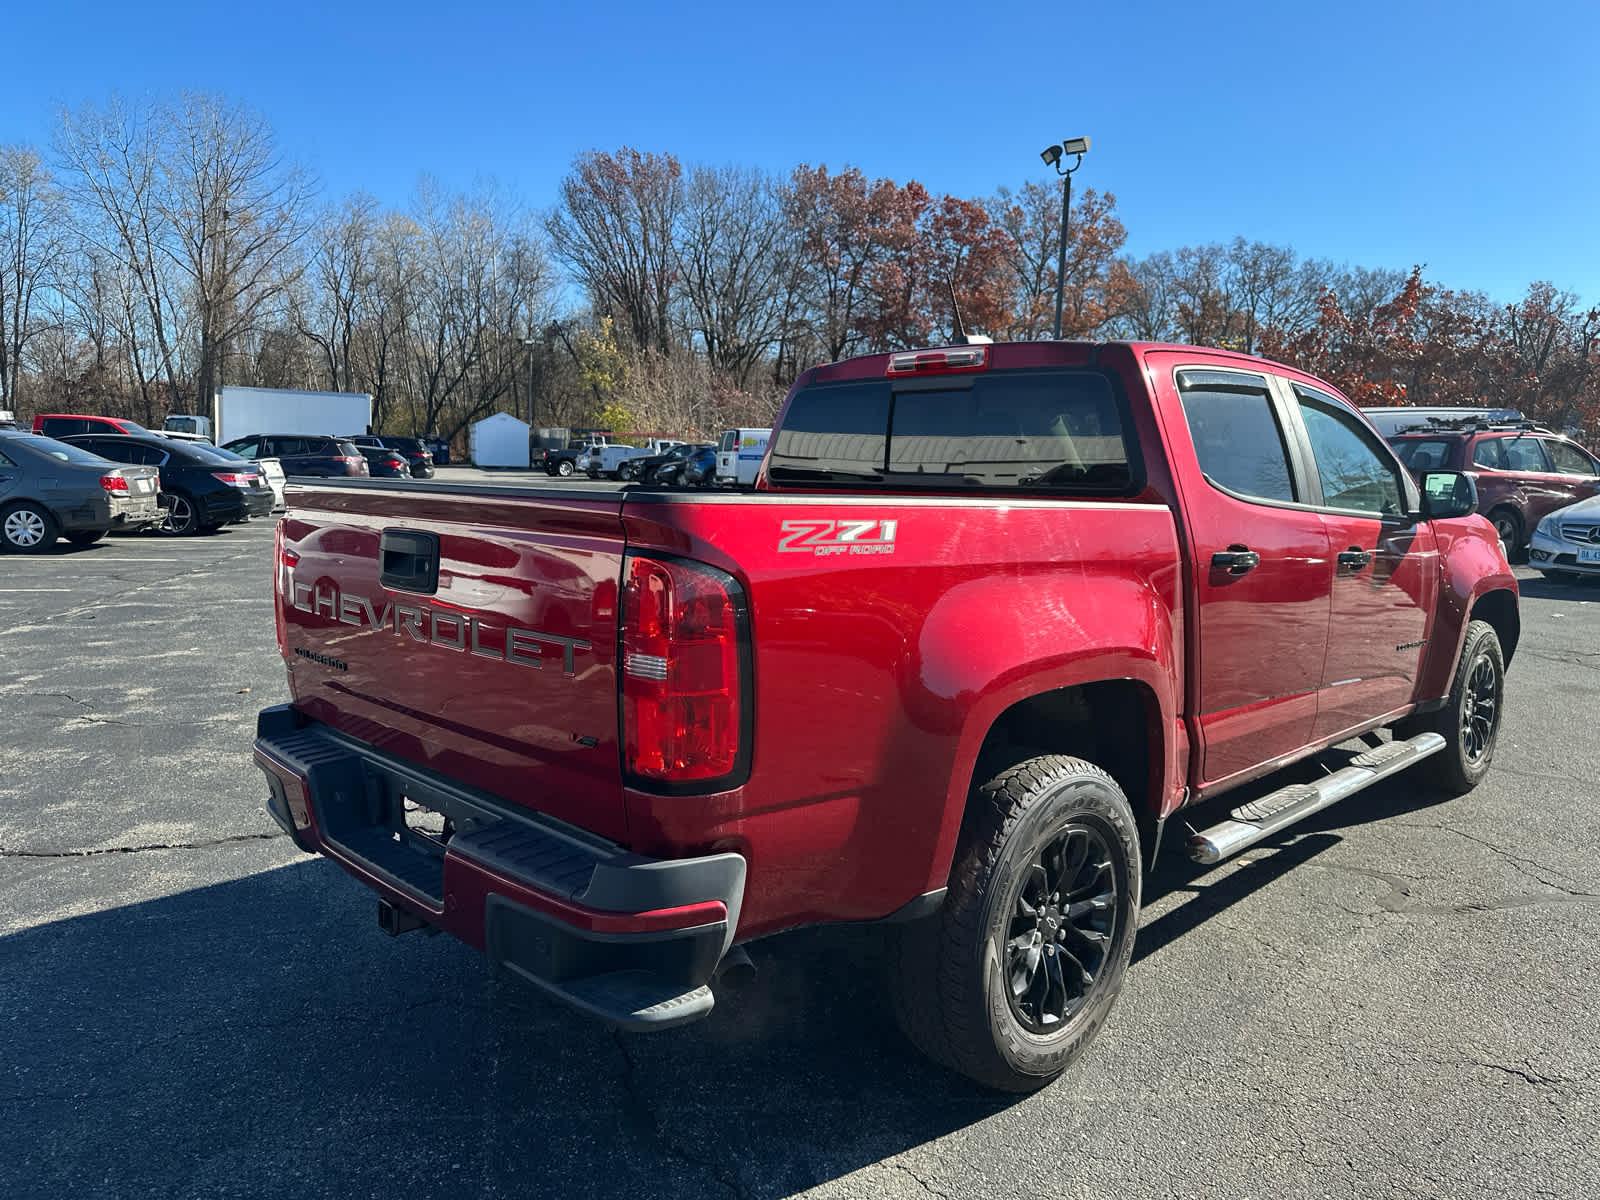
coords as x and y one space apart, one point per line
242 411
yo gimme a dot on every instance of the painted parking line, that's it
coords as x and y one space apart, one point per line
16 591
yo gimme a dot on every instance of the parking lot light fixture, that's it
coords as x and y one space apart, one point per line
1075 148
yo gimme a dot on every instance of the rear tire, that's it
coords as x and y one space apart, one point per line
181 519
1470 720
1013 978
563 469
85 537
28 528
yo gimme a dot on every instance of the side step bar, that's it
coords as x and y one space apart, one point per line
1249 823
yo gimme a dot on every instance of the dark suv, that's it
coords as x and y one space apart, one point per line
303 454
1523 472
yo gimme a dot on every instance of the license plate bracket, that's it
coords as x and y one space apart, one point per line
1589 555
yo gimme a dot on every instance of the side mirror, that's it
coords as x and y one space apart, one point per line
1448 494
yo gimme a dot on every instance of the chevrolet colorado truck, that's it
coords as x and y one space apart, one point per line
997 621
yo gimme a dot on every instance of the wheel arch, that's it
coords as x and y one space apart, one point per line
1123 723
1499 608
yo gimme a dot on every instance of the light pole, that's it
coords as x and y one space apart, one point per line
1077 148
529 343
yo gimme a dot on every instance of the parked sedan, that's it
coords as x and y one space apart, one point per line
644 468
1566 544
49 489
418 457
315 455
384 463
699 469
201 490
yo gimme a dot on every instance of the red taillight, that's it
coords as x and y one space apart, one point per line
954 358
682 685
234 478
397 464
282 560
114 483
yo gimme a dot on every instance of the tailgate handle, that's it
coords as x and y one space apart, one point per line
409 560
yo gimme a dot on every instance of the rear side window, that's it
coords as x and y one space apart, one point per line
1237 438
1491 453
1422 454
289 446
1024 429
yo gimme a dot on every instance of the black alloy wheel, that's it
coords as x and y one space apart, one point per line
1063 922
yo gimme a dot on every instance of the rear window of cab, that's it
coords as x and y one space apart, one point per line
1044 430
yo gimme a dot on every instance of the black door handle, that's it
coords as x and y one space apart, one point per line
1354 558
1235 560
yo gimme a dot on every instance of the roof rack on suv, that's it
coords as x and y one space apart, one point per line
1468 425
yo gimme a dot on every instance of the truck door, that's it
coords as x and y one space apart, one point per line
728 455
1384 573
1260 569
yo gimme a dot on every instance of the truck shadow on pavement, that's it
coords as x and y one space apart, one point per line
260 1037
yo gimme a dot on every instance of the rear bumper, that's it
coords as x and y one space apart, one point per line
634 941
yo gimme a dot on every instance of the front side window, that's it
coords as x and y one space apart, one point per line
1356 475
1236 434
1525 454
1568 459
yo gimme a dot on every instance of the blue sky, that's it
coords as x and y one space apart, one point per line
1463 136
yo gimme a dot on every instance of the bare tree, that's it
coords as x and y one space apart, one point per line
732 268
112 157
31 253
613 228
236 213
339 281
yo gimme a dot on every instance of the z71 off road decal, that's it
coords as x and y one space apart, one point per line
823 537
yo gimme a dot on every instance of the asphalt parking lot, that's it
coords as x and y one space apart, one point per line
1397 1000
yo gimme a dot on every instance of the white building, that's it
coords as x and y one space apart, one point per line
500 441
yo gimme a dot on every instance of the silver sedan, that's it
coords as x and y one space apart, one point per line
1567 542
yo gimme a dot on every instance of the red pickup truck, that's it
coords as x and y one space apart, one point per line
992 617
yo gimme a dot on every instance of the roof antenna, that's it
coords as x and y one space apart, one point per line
962 336
955 307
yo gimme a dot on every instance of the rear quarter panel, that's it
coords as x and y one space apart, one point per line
880 667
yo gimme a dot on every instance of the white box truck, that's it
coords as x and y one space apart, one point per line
242 411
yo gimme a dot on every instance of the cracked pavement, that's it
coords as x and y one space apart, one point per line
1396 998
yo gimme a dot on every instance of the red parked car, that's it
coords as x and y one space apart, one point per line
60 425
1523 472
993 618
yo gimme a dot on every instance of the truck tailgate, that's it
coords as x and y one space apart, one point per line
499 673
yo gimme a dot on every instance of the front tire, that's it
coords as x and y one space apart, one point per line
1013 978
85 537
28 528
1508 525
1470 720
